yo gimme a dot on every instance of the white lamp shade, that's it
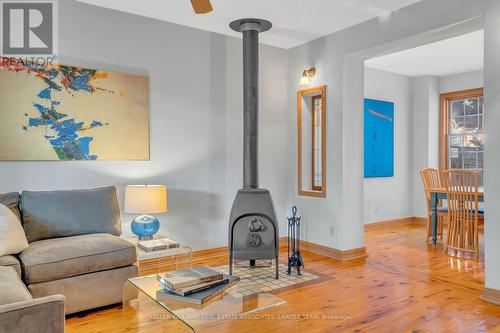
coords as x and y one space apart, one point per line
145 199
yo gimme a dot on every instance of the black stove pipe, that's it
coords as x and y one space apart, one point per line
250 28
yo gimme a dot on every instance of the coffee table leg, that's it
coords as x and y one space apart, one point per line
141 313
130 298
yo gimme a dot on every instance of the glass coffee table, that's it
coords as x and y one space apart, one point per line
146 308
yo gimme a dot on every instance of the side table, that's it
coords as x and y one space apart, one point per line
162 260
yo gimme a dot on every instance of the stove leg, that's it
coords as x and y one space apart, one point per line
231 264
277 268
252 263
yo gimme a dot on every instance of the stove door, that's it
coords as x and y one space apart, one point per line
254 237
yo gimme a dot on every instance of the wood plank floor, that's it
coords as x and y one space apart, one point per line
404 285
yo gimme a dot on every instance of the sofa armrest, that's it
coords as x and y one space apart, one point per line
44 314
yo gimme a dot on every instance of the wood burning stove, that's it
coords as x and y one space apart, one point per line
253 224
253 228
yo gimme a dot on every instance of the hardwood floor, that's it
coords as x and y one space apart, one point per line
404 285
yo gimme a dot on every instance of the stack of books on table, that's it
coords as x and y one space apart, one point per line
157 244
195 285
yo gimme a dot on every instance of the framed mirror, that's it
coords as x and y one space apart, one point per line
311 106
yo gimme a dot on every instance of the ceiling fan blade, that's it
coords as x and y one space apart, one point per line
201 6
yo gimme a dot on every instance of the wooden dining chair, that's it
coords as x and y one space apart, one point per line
432 179
462 189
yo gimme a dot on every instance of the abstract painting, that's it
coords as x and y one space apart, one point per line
378 138
57 112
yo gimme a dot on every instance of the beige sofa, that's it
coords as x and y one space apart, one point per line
74 248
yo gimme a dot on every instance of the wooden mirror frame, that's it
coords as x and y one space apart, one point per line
321 90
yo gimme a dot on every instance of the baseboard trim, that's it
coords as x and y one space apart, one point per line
208 254
419 220
396 222
491 296
283 243
333 253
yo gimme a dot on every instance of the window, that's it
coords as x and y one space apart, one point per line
462 134
316 143
311 142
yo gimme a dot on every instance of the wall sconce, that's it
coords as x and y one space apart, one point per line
306 74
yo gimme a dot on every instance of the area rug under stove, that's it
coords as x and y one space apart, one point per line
261 279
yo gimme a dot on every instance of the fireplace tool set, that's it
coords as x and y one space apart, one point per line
294 257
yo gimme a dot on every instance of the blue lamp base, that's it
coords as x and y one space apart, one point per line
145 226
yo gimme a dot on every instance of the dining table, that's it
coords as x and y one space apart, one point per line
436 195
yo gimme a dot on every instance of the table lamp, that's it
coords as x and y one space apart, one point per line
145 200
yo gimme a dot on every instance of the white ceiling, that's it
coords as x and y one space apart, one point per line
460 54
294 21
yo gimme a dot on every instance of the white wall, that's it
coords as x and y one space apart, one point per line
462 81
196 119
397 199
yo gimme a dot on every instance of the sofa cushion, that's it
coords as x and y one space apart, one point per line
12 289
52 214
11 261
89 291
12 237
11 200
58 258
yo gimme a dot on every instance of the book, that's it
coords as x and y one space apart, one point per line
200 297
157 244
188 277
197 287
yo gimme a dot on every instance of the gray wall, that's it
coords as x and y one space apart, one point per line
397 199
196 119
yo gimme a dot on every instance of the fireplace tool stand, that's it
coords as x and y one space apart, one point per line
294 255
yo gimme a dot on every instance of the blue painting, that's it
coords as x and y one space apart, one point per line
378 138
